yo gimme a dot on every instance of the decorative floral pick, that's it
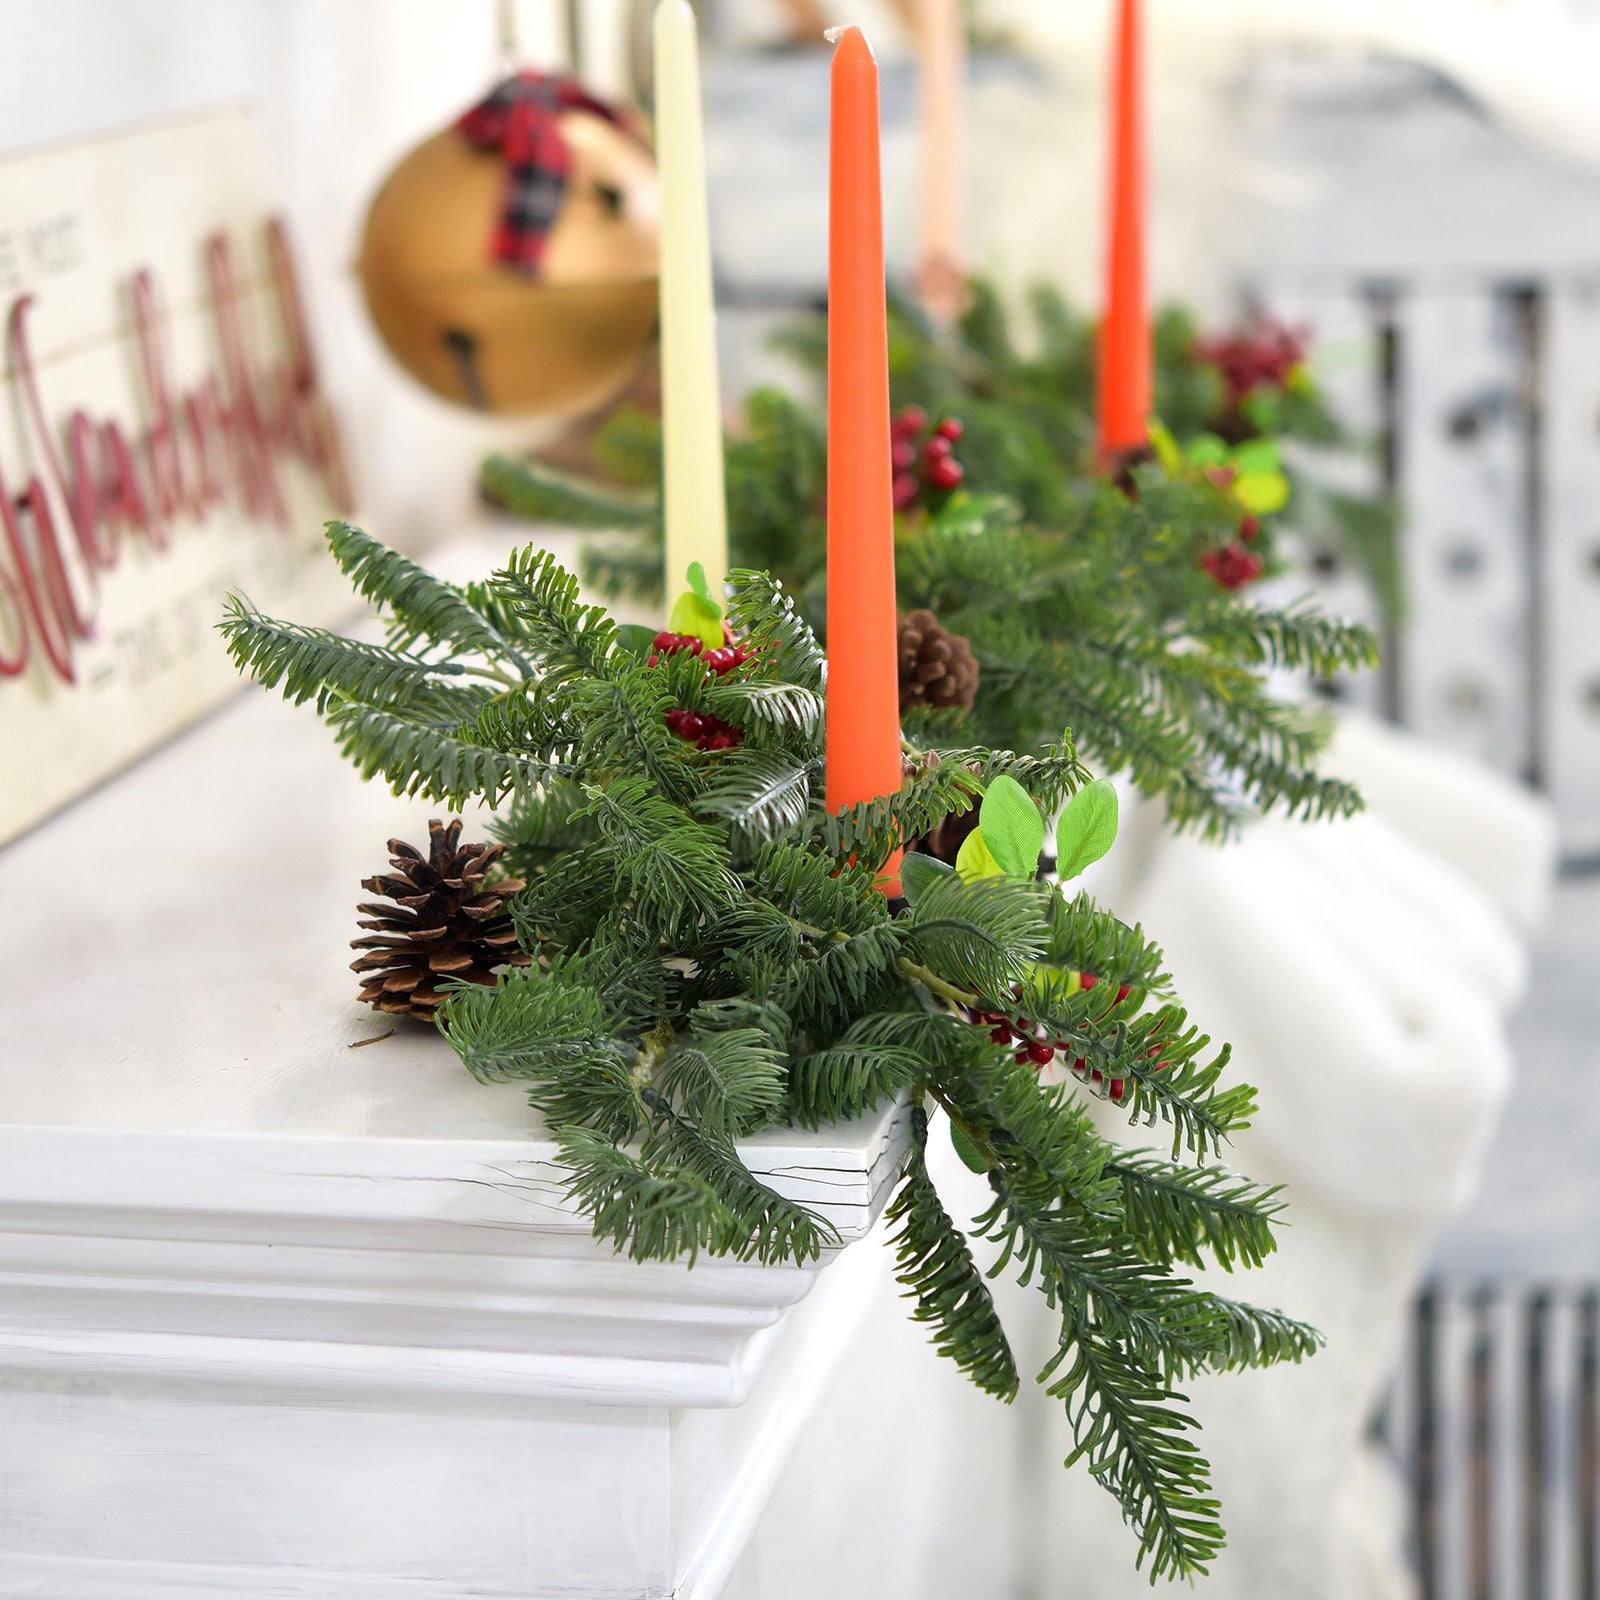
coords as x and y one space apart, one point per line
696 612
1009 838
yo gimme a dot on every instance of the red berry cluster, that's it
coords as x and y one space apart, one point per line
1261 355
1034 1045
925 465
721 660
1233 566
703 728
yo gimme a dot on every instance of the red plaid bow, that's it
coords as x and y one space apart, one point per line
519 119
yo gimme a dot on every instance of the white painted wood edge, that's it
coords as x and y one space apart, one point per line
841 1172
79 1578
445 1272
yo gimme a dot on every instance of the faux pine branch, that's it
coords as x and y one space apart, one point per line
1028 406
710 956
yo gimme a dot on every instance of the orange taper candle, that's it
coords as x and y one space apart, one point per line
863 705
1124 369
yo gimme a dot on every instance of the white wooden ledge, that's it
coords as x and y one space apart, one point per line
280 1315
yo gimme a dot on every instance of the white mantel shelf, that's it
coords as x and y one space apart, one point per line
248 1268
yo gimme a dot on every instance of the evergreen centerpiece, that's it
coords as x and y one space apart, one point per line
710 954
1124 616
1247 394
1026 413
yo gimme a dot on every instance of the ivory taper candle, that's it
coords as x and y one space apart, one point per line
863 702
694 500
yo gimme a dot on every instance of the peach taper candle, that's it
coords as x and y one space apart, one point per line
1124 382
863 703
941 55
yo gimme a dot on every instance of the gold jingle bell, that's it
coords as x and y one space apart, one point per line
489 335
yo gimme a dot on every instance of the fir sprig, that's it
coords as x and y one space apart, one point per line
713 956
935 1264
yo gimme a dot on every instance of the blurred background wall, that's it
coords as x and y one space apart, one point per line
343 88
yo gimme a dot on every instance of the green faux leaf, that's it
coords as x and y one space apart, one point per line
635 638
1207 450
1167 449
967 1150
973 860
971 515
1087 828
1258 455
1261 492
699 586
1013 830
696 614
918 871
1263 410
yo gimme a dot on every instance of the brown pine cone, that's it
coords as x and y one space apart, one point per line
447 921
937 667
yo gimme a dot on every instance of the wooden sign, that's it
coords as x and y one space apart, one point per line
163 438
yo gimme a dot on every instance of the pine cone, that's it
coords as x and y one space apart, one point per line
937 667
446 922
